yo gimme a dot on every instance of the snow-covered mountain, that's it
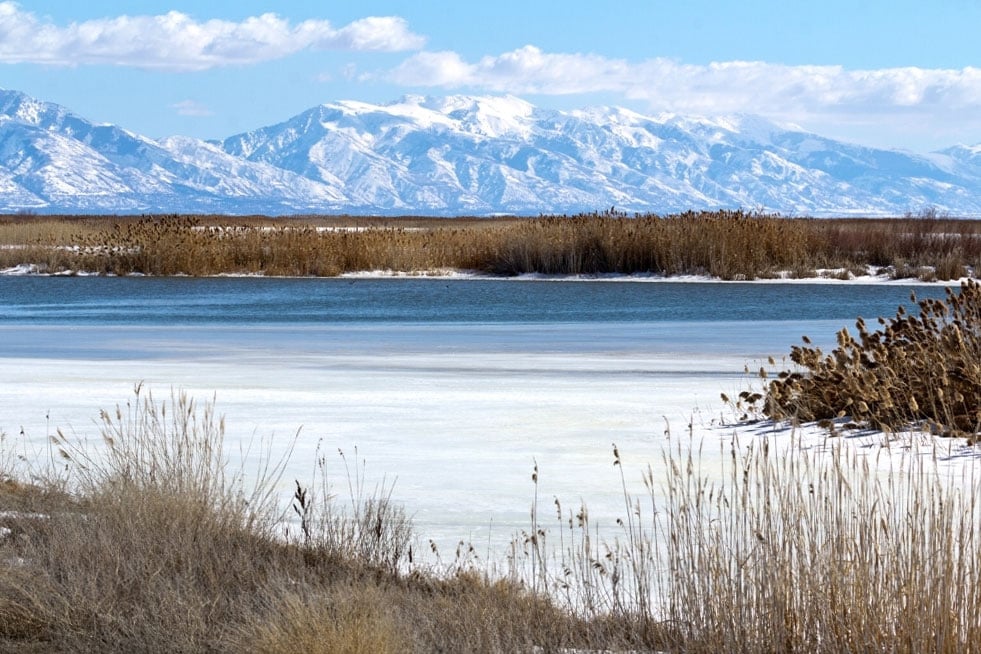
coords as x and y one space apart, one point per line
52 160
468 155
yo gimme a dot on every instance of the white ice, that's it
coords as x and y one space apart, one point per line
455 415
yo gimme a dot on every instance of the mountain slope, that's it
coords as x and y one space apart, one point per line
54 160
502 154
468 155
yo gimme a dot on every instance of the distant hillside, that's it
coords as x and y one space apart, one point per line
467 155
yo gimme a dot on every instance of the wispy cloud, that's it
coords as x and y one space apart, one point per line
176 41
779 90
191 108
348 71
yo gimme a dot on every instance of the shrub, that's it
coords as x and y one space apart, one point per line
918 370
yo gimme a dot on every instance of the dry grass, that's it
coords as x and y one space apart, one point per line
920 370
159 550
801 553
153 543
353 624
724 244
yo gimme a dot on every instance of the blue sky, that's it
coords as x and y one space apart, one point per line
895 74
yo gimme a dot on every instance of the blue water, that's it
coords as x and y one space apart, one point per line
265 301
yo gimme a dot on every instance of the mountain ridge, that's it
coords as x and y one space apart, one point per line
459 154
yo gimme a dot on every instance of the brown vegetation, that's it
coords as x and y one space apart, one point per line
151 544
802 552
724 244
920 371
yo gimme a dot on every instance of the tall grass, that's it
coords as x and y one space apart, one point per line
153 543
919 370
781 551
724 244
375 531
791 552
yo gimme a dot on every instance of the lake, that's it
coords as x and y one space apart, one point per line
451 388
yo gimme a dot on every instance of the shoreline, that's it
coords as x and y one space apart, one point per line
831 277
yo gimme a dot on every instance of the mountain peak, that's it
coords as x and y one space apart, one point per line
22 107
468 154
492 116
487 116
502 104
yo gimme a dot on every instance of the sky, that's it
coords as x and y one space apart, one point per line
892 74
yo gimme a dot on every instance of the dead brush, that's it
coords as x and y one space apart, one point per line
729 244
160 548
918 371
372 530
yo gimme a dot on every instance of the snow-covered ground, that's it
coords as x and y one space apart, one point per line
456 416
873 275
459 432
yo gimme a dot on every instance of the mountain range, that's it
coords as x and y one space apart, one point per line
465 155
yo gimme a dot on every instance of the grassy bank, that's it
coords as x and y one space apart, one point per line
723 244
155 542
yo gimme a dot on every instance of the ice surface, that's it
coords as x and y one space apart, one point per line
455 415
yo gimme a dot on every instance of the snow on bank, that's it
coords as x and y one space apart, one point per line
821 277
830 276
30 269
951 457
21 269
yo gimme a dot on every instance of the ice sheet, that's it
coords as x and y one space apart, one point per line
455 415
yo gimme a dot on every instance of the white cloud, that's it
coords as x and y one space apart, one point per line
191 108
175 41
787 92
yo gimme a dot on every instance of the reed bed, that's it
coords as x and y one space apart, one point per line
919 371
153 541
803 553
725 244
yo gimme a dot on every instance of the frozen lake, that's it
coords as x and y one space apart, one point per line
451 388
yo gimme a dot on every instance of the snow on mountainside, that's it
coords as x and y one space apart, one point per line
54 161
468 155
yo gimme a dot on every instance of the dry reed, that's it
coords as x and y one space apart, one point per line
155 546
724 244
793 552
920 371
